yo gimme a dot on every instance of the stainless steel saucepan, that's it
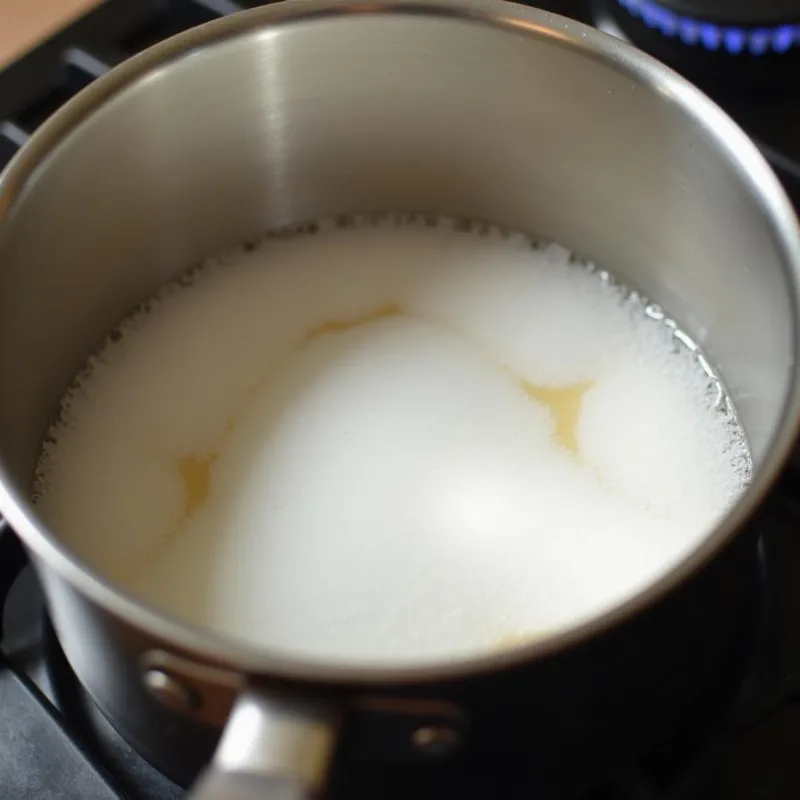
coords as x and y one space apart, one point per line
312 107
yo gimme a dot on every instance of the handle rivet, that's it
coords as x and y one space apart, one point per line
169 691
436 740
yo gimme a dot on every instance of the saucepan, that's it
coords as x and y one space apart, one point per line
479 108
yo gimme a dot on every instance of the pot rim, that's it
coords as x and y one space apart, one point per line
585 42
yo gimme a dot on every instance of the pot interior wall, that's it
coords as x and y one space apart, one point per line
387 112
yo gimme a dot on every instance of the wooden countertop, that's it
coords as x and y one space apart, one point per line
25 23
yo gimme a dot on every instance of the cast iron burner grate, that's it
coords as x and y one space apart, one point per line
40 82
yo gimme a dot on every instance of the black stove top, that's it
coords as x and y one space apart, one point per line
55 744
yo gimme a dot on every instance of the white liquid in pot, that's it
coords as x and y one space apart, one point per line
390 442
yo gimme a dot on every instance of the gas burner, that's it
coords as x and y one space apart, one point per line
742 45
738 29
736 11
746 56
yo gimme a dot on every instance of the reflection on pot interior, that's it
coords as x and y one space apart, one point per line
391 438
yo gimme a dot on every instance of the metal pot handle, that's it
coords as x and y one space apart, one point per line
273 748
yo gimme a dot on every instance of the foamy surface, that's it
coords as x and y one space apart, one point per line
390 441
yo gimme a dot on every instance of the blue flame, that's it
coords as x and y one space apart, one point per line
732 38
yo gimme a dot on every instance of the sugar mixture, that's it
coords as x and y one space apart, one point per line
391 439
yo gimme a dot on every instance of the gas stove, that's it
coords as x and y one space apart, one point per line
55 744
